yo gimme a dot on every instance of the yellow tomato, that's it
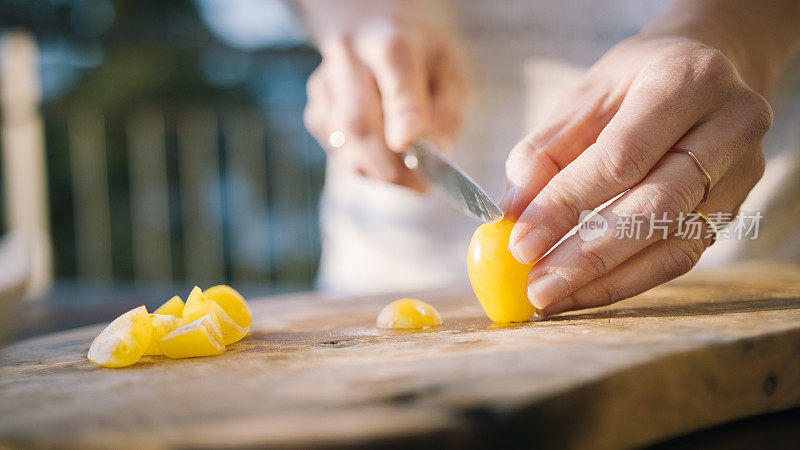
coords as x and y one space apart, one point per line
173 307
232 303
199 338
198 305
408 314
123 341
162 324
499 281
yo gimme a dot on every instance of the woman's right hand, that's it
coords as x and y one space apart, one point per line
387 76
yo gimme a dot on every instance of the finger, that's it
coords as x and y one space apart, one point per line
673 188
572 126
318 107
382 165
356 102
626 150
659 262
665 259
317 118
399 70
662 261
356 111
450 93
732 139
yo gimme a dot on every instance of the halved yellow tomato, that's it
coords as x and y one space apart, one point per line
408 313
232 303
198 305
201 337
499 280
123 341
172 307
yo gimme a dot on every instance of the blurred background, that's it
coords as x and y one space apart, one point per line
162 146
148 146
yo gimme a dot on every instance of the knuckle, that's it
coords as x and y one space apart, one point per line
570 207
627 164
397 46
693 68
710 66
605 292
560 197
758 114
527 150
562 205
357 126
523 149
524 157
682 255
672 200
593 261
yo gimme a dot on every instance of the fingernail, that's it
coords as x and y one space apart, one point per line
532 246
555 308
509 199
547 290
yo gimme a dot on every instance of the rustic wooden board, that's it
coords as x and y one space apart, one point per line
708 348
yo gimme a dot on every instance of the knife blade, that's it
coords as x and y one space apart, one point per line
426 160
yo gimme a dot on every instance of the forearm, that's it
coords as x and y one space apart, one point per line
758 36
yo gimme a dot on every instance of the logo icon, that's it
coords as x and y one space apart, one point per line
592 225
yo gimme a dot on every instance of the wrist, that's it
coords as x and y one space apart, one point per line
744 65
757 37
753 71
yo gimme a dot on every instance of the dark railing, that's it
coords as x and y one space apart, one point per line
190 195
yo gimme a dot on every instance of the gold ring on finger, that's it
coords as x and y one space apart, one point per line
699 166
711 225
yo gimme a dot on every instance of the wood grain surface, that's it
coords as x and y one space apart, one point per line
708 348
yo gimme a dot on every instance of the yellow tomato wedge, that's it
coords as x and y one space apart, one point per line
499 281
232 303
198 305
172 307
123 341
199 338
408 313
162 324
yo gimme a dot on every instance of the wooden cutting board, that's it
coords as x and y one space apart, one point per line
708 348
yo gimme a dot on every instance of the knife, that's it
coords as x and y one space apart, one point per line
427 161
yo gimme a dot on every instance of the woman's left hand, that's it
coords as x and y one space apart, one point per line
612 134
